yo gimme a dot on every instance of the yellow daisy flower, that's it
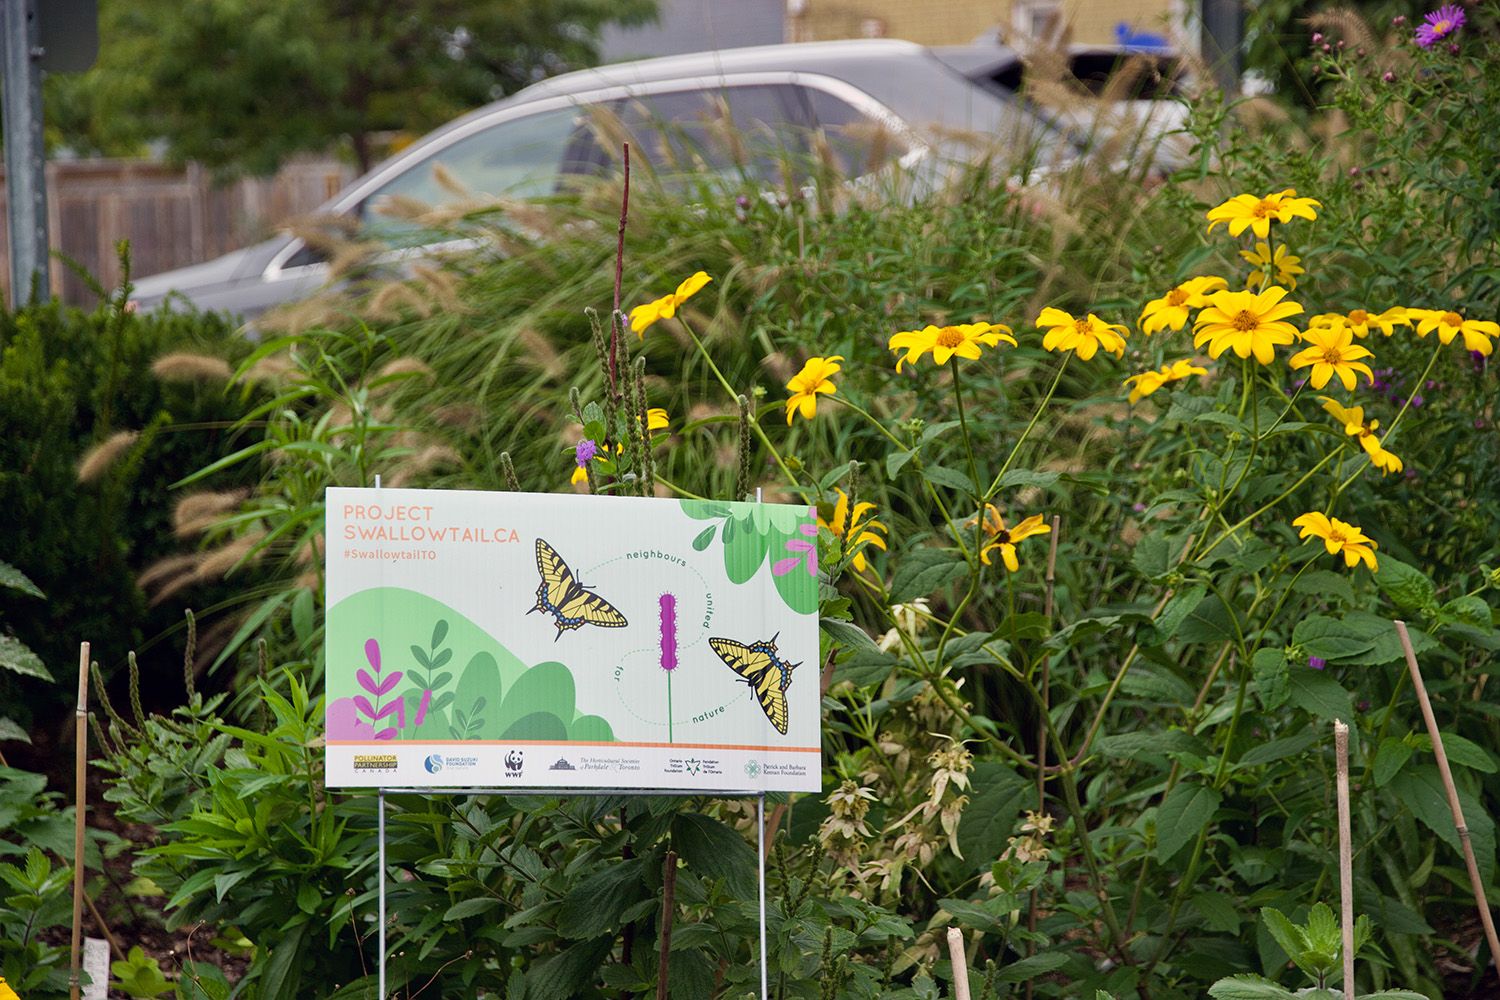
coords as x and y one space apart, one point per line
6 993
815 377
1355 425
641 317
1146 383
1247 322
1170 312
1248 211
1082 336
1339 537
1477 333
1285 266
1333 352
946 342
1361 322
1004 539
857 530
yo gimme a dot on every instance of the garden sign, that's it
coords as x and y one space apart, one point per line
562 641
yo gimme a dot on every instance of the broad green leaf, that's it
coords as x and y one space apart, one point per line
1406 586
1330 638
1278 749
847 634
1420 789
1210 621
1150 744
1027 477
950 478
715 851
13 579
1316 693
1152 556
568 974
1387 644
1460 751
18 658
10 730
1273 682
967 913
472 907
596 902
1185 811
1391 755
1248 987
1173 615
1030 967
896 461
1326 584
1470 609
996 796
1291 938
1217 911
922 571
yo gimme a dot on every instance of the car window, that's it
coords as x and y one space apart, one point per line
730 132
858 143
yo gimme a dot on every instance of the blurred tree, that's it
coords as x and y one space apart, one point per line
240 85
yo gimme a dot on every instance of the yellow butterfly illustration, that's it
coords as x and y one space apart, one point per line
567 600
767 673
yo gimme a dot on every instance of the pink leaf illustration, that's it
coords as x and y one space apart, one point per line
372 653
422 708
391 680
368 683
386 734
784 566
391 708
365 708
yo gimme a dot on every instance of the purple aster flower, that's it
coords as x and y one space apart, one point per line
1438 25
585 452
1316 662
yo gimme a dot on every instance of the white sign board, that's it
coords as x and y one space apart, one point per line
563 641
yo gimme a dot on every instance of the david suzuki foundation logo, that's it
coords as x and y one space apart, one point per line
514 761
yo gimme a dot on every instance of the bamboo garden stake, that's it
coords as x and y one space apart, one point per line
80 765
1452 790
1346 853
960 964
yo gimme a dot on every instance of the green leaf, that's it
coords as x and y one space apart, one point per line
283 971
1420 789
951 478
1132 746
13 579
1386 646
568 974
1291 938
1406 586
1027 477
1173 615
1460 751
705 538
1323 583
1210 621
1279 749
1273 682
1318 694
1248 987
1470 609
996 796
1217 911
1390 757
1185 811
1030 967
10 730
922 571
967 913
472 907
1152 556
17 657
596 903
896 461
1330 638
715 851
847 634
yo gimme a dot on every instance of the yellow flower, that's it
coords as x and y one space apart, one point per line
1334 352
1285 265
1338 536
1146 383
946 342
815 377
6 993
656 419
1171 310
1247 211
1005 539
1249 322
1360 321
1353 419
1448 324
1082 336
666 307
857 531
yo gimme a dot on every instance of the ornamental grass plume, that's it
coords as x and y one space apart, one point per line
185 366
946 342
1249 323
1170 312
1083 337
1333 352
101 457
1339 537
815 377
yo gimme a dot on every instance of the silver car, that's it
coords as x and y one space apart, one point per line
878 103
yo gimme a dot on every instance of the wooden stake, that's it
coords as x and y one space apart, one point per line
1452 790
80 769
960 964
668 903
1346 853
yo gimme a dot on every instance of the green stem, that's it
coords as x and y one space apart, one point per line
1227 532
734 396
963 422
1016 449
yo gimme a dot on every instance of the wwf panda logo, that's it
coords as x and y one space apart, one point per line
513 761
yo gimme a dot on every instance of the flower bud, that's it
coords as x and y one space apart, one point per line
1317 38
1388 76
1398 20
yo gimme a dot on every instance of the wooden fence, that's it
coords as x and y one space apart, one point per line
172 216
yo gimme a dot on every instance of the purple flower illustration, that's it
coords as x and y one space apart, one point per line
668 617
379 686
802 549
1438 25
1316 662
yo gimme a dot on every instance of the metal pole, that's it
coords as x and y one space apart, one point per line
760 860
25 156
380 875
